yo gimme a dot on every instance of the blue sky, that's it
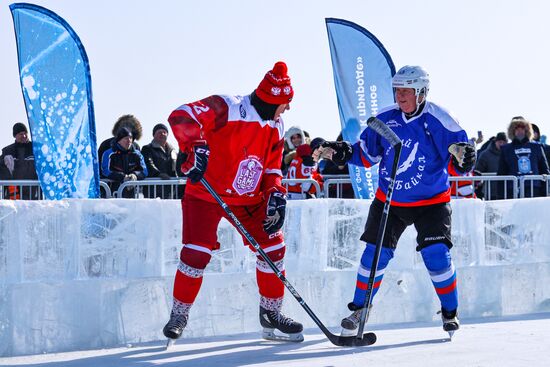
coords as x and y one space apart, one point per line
487 60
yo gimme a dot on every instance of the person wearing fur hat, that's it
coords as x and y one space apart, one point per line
17 163
122 162
129 121
236 144
294 137
160 158
521 157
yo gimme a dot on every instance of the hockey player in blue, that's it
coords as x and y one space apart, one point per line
421 190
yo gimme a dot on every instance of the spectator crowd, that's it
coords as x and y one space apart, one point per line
520 151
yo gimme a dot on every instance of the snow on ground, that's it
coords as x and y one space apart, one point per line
511 341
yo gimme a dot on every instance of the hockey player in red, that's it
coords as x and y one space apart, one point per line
304 166
236 144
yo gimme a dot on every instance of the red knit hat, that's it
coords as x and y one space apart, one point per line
275 88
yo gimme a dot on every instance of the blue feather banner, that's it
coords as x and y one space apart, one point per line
362 76
56 84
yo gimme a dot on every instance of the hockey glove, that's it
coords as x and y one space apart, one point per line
304 152
130 177
466 159
194 166
275 213
339 152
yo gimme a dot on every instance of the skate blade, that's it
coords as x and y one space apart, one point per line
269 334
450 329
170 343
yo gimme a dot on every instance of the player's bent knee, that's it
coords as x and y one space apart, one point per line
436 256
386 254
275 252
195 256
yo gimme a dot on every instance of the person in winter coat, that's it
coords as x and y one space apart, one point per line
304 166
522 157
294 137
131 123
487 162
160 158
17 163
122 162
328 167
235 143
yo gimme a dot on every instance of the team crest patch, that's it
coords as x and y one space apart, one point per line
248 176
393 123
275 91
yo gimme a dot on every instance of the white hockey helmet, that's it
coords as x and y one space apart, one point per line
412 77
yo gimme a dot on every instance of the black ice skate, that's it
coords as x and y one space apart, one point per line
174 328
351 323
271 320
450 321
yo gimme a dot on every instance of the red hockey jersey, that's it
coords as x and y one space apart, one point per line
245 151
460 189
299 170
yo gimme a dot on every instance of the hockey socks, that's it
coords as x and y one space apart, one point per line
437 259
363 273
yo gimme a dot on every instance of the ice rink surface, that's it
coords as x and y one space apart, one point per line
511 341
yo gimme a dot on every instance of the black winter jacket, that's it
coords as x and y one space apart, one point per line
159 160
523 157
117 163
24 168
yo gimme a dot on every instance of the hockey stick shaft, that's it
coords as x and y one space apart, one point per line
335 339
394 140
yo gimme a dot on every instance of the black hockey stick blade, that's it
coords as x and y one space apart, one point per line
353 340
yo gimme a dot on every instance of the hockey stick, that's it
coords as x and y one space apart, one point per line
349 341
385 132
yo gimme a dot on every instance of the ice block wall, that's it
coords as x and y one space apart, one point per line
83 274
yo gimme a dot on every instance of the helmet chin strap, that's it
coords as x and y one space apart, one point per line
419 101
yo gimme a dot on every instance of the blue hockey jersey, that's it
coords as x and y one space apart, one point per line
422 176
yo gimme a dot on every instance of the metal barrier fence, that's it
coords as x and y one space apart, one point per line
295 181
105 187
31 190
488 189
20 190
338 181
149 188
333 180
152 188
528 187
512 187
